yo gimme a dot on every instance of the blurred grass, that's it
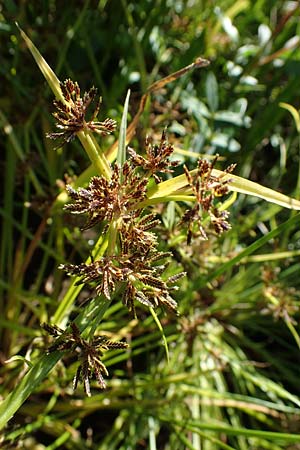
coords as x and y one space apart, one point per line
232 378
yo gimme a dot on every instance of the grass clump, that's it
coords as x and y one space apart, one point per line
178 325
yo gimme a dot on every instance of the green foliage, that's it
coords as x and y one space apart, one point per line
231 376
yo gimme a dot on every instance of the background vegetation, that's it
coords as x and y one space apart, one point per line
233 376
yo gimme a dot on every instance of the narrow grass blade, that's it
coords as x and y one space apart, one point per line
162 191
293 112
233 431
87 139
27 385
156 319
121 155
46 70
253 247
244 186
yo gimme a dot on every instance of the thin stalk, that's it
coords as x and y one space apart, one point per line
112 237
293 331
94 152
159 326
60 316
152 439
121 155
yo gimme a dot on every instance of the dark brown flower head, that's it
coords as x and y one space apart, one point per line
157 158
151 293
135 235
108 199
71 114
206 187
105 272
88 353
138 273
219 220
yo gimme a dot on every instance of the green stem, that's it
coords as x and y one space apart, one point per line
94 152
112 237
159 326
293 331
61 314
234 431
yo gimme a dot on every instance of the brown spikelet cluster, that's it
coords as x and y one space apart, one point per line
70 115
105 200
157 158
88 353
206 187
132 265
135 269
135 234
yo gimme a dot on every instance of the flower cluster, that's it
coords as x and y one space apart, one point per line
105 200
157 158
206 187
71 114
140 278
88 353
135 267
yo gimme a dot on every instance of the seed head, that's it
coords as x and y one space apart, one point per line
206 187
88 353
71 114
157 158
108 199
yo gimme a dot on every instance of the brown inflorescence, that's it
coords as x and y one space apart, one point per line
138 273
88 353
206 187
71 114
157 158
105 200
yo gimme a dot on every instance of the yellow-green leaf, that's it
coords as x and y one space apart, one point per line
178 186
46 70
293 112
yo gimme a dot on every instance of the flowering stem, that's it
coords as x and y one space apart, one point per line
112 237
292 330
61 314
94 152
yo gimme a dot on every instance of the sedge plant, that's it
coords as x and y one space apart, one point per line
120 195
